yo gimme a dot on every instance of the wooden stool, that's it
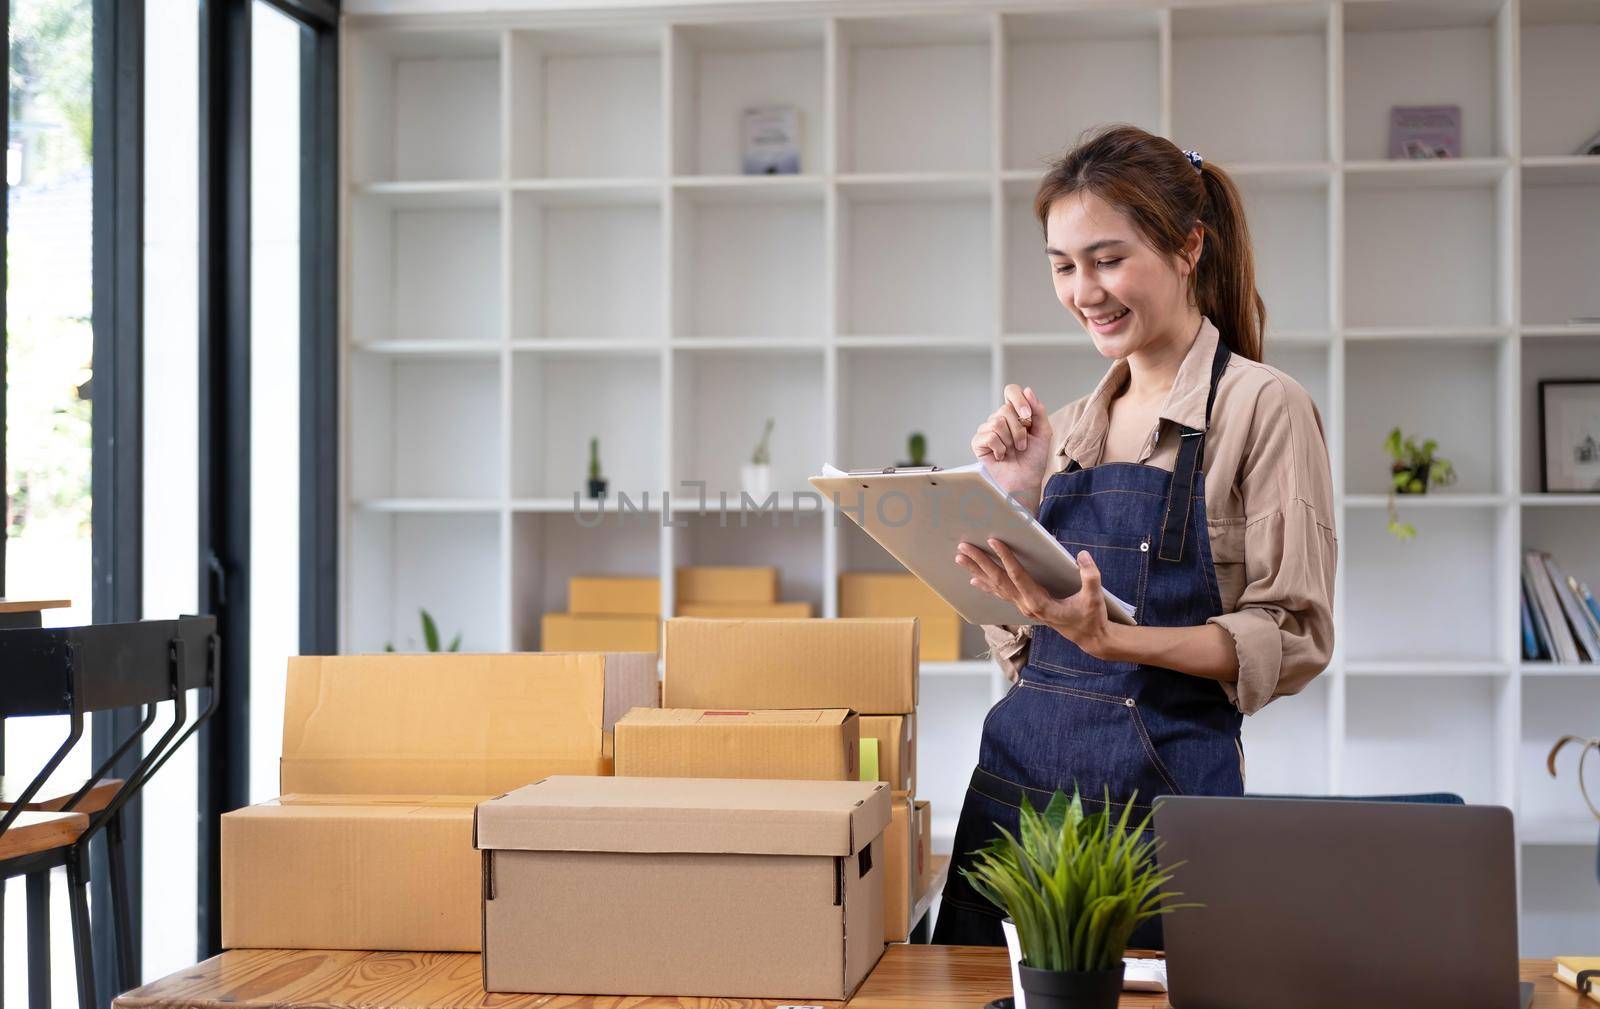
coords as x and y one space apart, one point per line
36 843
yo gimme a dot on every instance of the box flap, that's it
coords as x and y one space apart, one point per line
450 723
698 815
721 717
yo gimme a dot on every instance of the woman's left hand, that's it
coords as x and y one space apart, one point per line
1080 618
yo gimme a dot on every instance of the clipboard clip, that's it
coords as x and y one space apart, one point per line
880 471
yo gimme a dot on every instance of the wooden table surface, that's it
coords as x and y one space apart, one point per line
908 977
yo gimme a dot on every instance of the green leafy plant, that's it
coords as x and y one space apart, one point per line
594 458
430 636
1412 470
917 445
761 456
1076 884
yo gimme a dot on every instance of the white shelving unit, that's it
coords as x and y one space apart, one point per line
548 239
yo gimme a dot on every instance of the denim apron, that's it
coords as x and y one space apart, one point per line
1134 729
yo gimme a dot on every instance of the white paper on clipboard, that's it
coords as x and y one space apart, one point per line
921 514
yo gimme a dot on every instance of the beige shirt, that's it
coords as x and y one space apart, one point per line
1269 511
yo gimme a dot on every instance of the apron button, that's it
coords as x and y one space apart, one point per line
1127 702
1144 547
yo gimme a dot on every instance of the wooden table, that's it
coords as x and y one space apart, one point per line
908 977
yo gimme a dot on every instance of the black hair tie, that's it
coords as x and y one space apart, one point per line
1194 159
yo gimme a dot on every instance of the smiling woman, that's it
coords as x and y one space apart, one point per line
1193 482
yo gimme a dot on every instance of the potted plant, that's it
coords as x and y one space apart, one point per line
597 483
917 447
756 475
1075 886
430 636
1412 470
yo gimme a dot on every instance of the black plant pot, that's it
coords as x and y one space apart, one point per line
597 488
1412 473
1063 989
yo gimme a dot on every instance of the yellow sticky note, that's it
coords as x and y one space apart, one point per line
869 759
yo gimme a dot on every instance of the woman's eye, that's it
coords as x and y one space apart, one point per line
1108 262
1064 268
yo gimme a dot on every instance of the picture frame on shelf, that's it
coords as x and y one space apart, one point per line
1569 435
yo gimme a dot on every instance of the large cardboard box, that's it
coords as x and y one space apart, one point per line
798 610
450 723
351 872
689 887
599 632
705 584
821 744
896 739
879 594
869 666
899 877
614 594
924 828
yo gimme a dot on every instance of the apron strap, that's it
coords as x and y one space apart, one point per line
1191 456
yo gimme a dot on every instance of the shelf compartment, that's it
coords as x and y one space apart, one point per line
426 267
570 253
723 69
1031 305
1416 53
1058 375
1446 391
886 283
1553 357
1421 734
1289 232
953 398
790 541
1429 600
1109 62
559 401
1286 743
1307 365
773 247
442 562
915 94
424 105
1251 83
586 102
424 428
1560 246
1552 708
1560 75
722 402
548 549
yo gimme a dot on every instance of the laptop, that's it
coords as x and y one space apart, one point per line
1322 904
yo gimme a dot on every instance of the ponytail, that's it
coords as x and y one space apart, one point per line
1224 283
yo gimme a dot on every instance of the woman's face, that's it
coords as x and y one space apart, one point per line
1127 295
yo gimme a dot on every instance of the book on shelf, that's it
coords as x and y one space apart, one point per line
1561 621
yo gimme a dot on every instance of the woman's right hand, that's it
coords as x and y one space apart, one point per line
1013 443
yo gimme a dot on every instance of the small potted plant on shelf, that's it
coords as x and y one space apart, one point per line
597 483
755 476
1074 886
917 447
430 636
1412 470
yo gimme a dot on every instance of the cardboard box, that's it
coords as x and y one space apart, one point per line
689 887
874 594
896 739
703 584
599 632
899 877
614 594
351 872
451 723
869 666
820 744
747 611
924 839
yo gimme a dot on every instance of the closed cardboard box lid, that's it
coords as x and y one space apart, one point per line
685 815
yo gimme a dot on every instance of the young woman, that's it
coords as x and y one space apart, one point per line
1193 484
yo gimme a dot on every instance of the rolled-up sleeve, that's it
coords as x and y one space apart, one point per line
1008 646
1282 623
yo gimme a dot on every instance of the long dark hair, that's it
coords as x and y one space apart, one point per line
1156 185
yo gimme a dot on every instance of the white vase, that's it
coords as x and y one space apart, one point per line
1014 954
756 480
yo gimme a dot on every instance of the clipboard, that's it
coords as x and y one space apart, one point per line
921 513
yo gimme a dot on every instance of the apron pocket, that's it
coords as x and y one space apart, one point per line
1123 560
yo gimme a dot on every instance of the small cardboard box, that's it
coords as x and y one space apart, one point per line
749 611
351 872
896 738
820 744
869 666
703 584
875 594
688 887
451 723
899 877
599 632
924 818
614 594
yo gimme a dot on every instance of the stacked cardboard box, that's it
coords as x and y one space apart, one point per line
873 594
384 757
818 744
866 665
734 592
605 613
